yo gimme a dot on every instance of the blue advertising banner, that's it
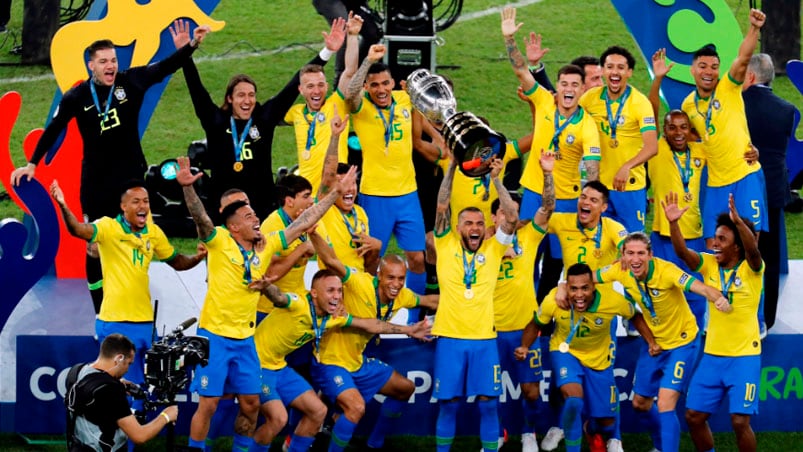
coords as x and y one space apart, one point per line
43 362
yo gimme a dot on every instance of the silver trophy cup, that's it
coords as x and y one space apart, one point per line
473 144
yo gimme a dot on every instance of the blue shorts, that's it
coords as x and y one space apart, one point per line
671 369
233 367
599 386
368 379
527 371
716 377
283 384
466 367
397 215
750 196
140 333
628 208
531 202
662 248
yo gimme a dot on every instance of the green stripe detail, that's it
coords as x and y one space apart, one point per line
95 285
339 441
433 286
490 445
573 442
647 129
441 441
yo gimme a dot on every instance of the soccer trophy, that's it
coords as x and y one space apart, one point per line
473 144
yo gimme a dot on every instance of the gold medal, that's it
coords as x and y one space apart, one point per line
238 166
469 294
563 347
656 321
688 197
597 253
386 150
306 154
614 143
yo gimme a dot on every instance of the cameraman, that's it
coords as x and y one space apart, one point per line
98 414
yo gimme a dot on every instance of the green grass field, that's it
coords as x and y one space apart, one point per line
254 42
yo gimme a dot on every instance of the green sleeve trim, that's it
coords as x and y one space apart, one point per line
443 234
595 158
171 257
95 285
648 128
699 265
538 228
284 239
94 233
347 275
599 277
211 236
516 147
737 83
687 286
340 93
417 301
349 318
289 299
538 322
531 90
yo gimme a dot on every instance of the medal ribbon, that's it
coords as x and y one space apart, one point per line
310 129
389 312
94 92
246 263
597 235
574 327
726 286
286 220
646 298
613 122
685 175
516 247
352 229
468 269
709 112
238 144
388 123
317 330
559 128
486 184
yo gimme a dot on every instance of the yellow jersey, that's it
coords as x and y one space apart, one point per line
313 131
722 125
596 247
636 118
477 192
126 257
661 300
230 307
466 313
288 328
590 331
734 333
577 141
344 347
339 227
387 167
666 172
514 296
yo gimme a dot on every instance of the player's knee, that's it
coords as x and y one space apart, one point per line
695 418
206 407
415 261
405 389
531 391
642 403
353 408
317 413
249 405
740 422
277 419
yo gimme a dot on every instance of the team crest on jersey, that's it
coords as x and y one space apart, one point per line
737 282
204 382
655 292
480 258
405 113
255 261
564 372
621 120
598 321
697 163
716 104
321 117
253 133
265 390
437 384
147 245
338 380
570 139
119 93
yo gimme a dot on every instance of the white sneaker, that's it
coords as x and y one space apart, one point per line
615 445
528 442
552 439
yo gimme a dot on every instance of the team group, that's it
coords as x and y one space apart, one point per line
584 197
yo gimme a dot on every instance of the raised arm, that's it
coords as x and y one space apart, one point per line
330 160
749 240
327 255
534 54
506 203
509 29
184 262
443 213
673 214
186 179
748 46
311 215
145 76
354 91
544 213
76 228
659 71
352 57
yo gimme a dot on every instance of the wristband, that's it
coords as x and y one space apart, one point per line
325 54
535 67
167 418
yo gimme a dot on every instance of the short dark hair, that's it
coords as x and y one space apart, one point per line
310 69
129 184
378 67
572 69
116 344
706 50
343 168
585 60
600 187
231 191
579 269
676 112
234 81
100 44
637 236
230 210
469 209
618 50
724 219
391 259
323 273
291 185
496 203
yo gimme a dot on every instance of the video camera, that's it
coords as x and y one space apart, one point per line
169 361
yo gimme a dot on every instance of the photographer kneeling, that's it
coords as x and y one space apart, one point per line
98 414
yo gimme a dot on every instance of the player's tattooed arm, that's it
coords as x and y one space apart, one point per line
592 169
506 203
355 87
186 179
443 213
